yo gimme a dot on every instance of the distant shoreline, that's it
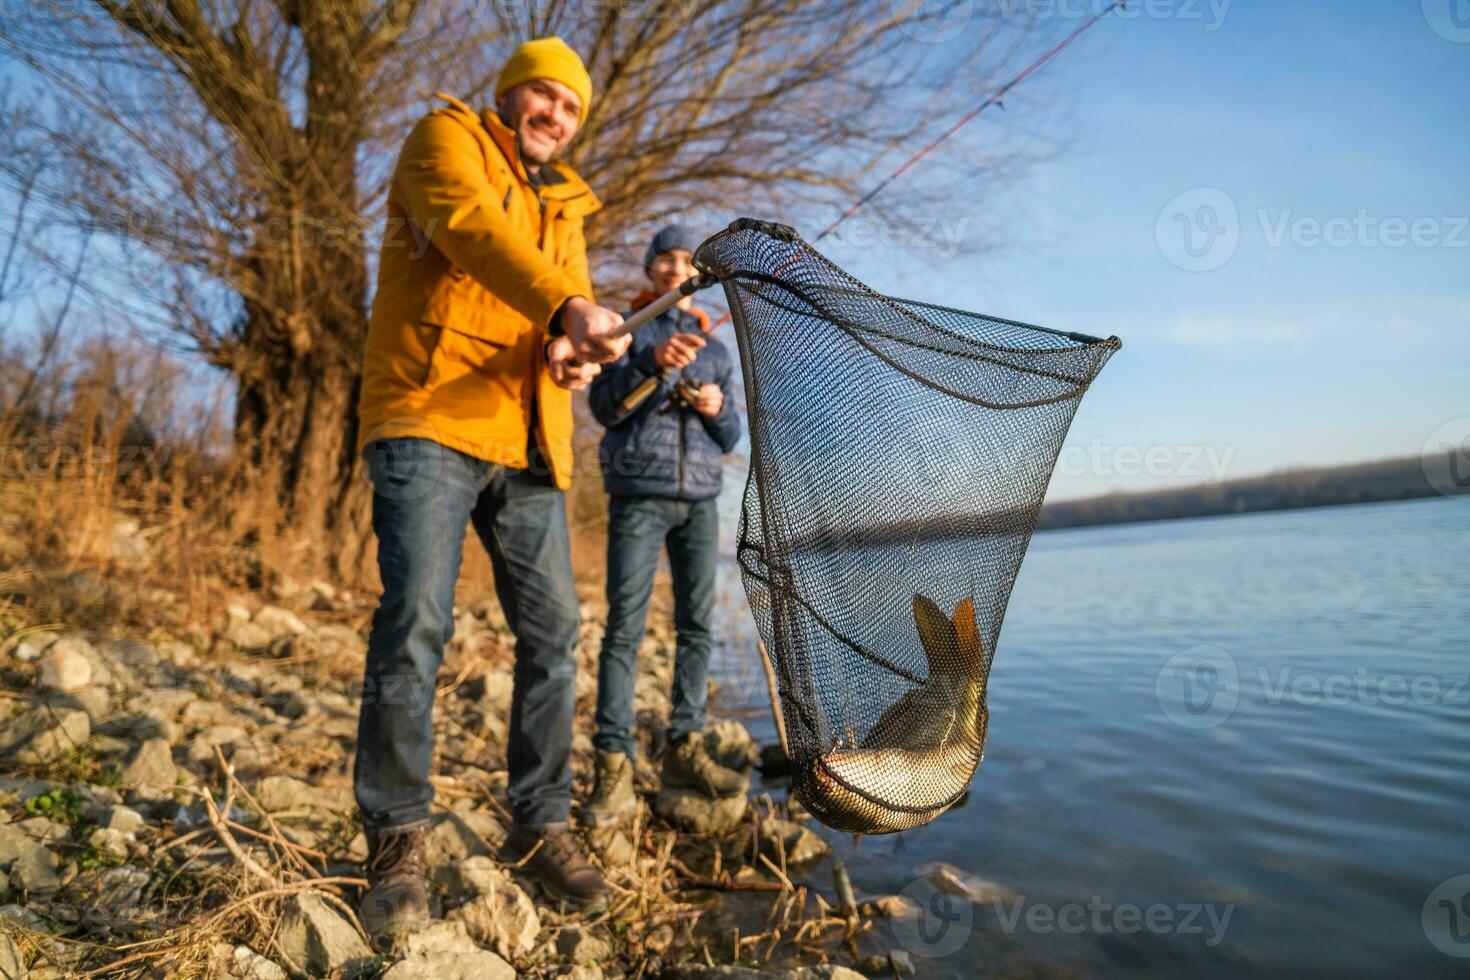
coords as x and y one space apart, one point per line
1408 478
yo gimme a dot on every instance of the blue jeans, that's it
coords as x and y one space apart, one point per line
424 494
638 527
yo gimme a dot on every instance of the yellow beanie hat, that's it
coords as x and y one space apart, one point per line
547 57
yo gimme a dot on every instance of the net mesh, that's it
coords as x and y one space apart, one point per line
899 455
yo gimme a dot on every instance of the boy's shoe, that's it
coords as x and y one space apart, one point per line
688 763
397 899
613 796
558 864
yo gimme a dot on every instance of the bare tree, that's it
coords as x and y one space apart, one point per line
234 158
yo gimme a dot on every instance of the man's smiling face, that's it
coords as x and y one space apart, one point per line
545 115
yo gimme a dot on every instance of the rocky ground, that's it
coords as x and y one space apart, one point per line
180 805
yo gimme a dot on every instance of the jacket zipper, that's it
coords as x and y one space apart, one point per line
682 418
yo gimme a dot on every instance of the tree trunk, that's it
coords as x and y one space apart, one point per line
297 429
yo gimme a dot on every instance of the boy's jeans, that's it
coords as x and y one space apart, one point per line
424 495
637 529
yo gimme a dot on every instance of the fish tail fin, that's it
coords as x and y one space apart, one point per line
936 632
967 636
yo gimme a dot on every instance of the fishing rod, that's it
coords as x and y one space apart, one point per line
702 281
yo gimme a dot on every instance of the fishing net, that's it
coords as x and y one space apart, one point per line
899 455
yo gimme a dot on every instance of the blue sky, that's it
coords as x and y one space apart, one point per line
1253 127
1293 348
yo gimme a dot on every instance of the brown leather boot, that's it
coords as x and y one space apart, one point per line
558 864
397 899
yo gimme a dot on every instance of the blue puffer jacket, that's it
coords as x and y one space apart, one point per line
650 452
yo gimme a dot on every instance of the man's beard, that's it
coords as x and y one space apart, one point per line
537 156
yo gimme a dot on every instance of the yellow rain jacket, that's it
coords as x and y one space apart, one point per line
476 259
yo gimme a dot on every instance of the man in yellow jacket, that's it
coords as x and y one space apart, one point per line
483 323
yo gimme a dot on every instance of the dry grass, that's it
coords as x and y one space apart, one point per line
120 479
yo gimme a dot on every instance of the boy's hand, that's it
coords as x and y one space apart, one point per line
587 326
709 401
564 368
678 351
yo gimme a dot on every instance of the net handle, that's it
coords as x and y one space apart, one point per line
702 280
671 298
647 313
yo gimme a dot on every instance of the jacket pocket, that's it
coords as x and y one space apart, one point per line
461 304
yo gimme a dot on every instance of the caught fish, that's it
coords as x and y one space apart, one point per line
925 747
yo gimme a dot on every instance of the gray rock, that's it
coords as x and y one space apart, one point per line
613 847
35 869
438 937
198 713
454 836
444 949
478 964
284 694
249 636
12 960
181 655
107 747
151 767
42 829
316 937
801 846
124 819
731 745
109 841
201 746
30 648
65 667
44 734
279 622
141 726
693 811
252 966
121 888
252 759
582 971
277 793
501 915
892 907
132 653
580 946
951 880
129 543
95 701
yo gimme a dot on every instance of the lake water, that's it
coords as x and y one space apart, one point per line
1217 747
